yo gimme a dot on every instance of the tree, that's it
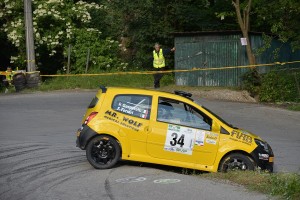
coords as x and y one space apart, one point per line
55 23
244 23
282 19
140 24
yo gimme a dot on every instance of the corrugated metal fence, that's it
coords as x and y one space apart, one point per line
211 50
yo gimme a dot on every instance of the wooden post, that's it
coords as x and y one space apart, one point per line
30 55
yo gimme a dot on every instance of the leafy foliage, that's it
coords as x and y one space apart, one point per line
57 24
272 87
282 19
251 81
103 53
142 23
136 25
279 87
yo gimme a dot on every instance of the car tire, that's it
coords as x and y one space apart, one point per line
103 152
236 161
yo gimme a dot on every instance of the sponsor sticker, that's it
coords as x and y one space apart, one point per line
125 121
133 109
199 140
241 136
211 138
210 141
263 156
180 139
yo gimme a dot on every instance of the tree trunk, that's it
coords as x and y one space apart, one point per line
250 55
244 25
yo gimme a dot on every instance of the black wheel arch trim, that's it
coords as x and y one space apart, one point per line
85 136
88 134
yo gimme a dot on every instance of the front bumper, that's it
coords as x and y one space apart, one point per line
84 135
264 159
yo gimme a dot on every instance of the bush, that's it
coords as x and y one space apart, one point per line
279 87
103 52
251 82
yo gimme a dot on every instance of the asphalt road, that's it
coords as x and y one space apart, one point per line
39 160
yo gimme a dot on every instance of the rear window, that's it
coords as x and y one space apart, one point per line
133 105
93 102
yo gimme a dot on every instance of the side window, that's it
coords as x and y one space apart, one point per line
176 112
134 105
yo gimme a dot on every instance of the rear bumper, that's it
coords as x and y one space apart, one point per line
84 135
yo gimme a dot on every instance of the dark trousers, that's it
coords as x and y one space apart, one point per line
5 83
157 78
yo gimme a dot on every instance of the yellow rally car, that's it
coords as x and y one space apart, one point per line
168 129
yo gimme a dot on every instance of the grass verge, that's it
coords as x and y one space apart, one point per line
129 80
282 185
134 81
294 107
93 82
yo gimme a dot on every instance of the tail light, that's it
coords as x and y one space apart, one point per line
90 117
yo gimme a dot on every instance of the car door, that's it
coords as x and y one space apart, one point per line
133 115
181 132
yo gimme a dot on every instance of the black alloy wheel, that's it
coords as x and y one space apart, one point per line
236 161
103 152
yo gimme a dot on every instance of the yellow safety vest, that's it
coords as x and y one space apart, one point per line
158 59
9 75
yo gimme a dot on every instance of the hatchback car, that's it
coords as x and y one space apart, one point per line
167 129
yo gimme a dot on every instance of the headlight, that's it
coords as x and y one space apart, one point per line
264 145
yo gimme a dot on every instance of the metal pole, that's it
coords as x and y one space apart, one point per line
69 59
87 61
29 36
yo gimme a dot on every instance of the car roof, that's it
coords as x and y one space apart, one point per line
178 94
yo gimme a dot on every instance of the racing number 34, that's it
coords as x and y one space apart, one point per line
180 140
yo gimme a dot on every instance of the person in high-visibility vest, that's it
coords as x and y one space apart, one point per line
8 78
159 62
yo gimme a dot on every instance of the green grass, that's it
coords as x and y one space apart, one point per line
294 107
129 80
282 185
93 82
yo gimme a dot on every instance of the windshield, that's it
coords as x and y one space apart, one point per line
219 118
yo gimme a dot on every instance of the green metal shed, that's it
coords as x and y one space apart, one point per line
217 49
